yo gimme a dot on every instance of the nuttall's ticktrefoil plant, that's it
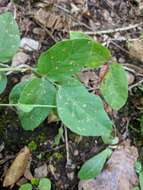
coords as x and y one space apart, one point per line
54 87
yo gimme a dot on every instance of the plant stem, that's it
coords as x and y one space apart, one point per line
7 69
33 105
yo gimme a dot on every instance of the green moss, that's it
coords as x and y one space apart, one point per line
32 146
57 156
42 137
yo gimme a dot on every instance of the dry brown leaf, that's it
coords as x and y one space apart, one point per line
119 173
136 49
17 168
51 19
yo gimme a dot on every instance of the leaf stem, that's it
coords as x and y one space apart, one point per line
33 105
7 69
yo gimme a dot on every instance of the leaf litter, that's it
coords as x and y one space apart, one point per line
95 15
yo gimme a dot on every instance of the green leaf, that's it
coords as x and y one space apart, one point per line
26 186
138 166
93 167
58 137
39 91
44 184
16 91
81 111
141 179
9 37
136 188
79 35
68 57
3 82
110 140
35 181
114 87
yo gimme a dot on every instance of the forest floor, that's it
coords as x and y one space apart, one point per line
114 23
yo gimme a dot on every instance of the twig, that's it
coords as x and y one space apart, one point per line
114 30
118 46
67 147
136 84
73 18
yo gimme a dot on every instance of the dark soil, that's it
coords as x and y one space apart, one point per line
90 15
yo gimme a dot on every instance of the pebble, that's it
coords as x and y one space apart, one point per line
76 153
30 44
70 176
131 78
41 171
121 60
20 58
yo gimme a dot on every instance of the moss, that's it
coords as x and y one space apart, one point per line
42 137
57 156
32 145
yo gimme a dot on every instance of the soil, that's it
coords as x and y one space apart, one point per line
87 16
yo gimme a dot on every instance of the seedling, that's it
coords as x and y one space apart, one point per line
54 86
42 184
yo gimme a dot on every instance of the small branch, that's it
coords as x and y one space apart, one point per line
32 105
136 84
114 30
67 147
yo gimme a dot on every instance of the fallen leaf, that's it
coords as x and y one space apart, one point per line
119 172
103 72
51 19
88 76
17 168
136 49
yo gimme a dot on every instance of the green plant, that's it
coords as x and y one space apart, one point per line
94 165
139 171
54 88
40 184
54 84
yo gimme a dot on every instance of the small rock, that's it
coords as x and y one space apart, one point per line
76 153
130 77
30 44
41 171
20 58
121 60
70 176
2 147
